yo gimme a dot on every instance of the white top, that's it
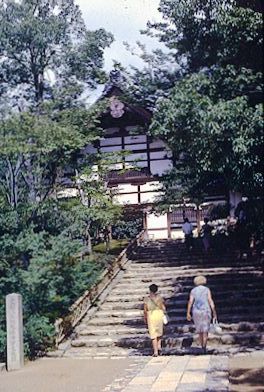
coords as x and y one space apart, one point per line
187 228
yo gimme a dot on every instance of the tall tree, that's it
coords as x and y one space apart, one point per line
211 137
211 119
35 150
46 54
204 33
45 46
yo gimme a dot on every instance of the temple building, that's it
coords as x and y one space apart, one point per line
134 180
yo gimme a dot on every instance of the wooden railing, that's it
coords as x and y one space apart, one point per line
77 311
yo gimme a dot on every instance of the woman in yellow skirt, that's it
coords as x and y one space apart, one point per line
154 309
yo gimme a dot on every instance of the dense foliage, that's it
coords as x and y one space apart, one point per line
213 135
211 118
48 60
42 262
47 51
129 225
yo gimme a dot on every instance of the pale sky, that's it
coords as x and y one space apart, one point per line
125 19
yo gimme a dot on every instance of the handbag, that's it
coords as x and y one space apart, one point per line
165 319
215 327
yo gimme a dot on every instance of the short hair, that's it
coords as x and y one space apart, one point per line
200 280
206 220
153 288
186 220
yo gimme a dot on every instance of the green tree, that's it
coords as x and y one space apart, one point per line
35 149
204 33
211 119
211 137
97 208
45 48
48 59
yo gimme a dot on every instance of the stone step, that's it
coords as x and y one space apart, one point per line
182 296
186 267
141 354
212 280
173 340
192 269
158 269
227 309
175 253
173 261
88 330
181 304
181 262
117 327
181 285
175 320
214 277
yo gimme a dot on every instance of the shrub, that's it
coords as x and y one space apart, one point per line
39 334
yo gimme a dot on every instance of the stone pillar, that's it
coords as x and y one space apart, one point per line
14 324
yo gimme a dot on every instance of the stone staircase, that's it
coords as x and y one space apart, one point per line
117 327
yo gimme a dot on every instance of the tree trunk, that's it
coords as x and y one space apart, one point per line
30 180
12 178
88 241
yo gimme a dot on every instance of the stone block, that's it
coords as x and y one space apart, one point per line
227 339
14 324
2 367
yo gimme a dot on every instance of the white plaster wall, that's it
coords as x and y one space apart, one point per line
115 166
150 186
157 144
160 167
135 139
138 164
156 221
132 157
158 154
158 234
111 148
126 188
177 234
126 199
149 197
110 141
141 146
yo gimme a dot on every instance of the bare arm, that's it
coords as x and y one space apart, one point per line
189 307
162 304
212 305
145 313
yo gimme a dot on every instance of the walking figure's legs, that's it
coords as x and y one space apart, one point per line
155 346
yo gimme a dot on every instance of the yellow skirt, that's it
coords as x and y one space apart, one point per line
155 323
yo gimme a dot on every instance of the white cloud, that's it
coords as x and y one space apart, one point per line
125 19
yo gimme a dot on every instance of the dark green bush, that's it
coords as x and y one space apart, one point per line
39 262
129 226
39 334
219 211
